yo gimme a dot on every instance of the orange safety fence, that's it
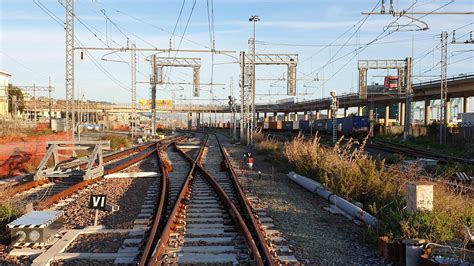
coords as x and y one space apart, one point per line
20 154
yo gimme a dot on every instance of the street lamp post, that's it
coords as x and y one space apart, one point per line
253 19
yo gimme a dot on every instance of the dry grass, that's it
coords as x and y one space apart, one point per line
117 142
265 145
350 172
10 208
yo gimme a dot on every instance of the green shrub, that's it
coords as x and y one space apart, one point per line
116 142
8 211
350 172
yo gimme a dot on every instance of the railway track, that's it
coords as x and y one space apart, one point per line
43 193
196 213
207 218
416 153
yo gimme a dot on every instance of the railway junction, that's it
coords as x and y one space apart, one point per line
237 133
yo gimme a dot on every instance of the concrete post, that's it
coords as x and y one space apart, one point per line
402 114
427 112
190 121
371 114
448 112
198 120
306 117
387 115
329 113
318 114
466 107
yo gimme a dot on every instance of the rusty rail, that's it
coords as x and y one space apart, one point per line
234 213
254 224
161 204
41 205
160 245
32 184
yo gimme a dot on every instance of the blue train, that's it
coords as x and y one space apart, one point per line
351 125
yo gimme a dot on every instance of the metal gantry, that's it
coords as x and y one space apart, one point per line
157 68
248 62
405 79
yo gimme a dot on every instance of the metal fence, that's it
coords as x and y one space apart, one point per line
464 133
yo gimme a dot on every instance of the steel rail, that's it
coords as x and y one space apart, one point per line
32 184
393 147
234 213
161 205
41 205
170 224
254 224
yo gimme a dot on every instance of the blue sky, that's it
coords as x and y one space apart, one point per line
32 43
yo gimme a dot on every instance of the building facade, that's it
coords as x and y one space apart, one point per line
4 78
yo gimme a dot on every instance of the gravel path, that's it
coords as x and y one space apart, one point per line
97 243
318 236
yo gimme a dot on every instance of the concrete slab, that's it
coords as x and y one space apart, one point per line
210 240
287 259
266 220
200 210
205 214
204 220
58 247
216 225
136 232
212 249
26 251
132 241
92 256
141 221
204 232
126 260
133 175
196 258
128 250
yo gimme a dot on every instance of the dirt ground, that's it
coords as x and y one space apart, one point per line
318 236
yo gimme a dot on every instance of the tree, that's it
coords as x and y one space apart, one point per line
13 92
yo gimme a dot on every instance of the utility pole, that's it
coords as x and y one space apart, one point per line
253 19
334 107
242 95
409 95
49 103
133 65
444 119
70 103
34 102
153 82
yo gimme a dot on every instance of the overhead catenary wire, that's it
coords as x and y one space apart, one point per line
379 37
60 22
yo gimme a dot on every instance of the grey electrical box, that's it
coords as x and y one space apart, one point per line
35 226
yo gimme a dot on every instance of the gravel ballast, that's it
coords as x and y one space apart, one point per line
318 236
97 243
